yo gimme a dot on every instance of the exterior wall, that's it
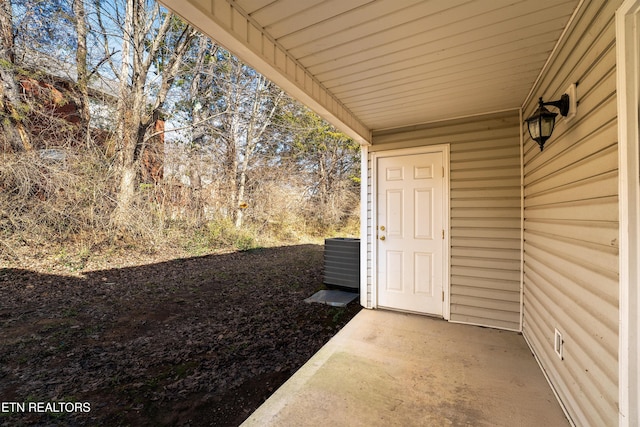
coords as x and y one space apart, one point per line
571 223
485 213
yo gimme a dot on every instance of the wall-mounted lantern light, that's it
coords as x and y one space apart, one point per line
541 123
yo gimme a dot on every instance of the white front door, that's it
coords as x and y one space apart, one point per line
410 232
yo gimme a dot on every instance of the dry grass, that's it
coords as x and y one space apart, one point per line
56 214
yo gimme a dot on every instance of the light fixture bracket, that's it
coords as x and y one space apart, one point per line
562 104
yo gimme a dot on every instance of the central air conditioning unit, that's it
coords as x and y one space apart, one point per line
342 262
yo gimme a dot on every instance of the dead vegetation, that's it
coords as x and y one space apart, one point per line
58 204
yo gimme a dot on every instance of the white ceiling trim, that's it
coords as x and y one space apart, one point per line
240 34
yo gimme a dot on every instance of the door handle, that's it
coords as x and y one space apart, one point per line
381 237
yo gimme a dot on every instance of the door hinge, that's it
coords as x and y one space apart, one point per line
442 296
442 234
443 171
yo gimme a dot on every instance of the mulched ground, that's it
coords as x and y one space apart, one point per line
198 342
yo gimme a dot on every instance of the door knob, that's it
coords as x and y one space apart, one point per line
382 228
381 237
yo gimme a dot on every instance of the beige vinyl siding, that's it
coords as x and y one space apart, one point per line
485 212
571 224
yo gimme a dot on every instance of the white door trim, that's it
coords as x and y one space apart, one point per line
441 148
628 94
365 238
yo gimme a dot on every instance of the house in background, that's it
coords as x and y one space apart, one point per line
463 216
49 86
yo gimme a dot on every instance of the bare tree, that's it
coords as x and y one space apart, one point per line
231 109
329 161
12 109
202 78
145 45
263 105
251 102
82 80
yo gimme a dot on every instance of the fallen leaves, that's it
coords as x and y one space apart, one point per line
198 341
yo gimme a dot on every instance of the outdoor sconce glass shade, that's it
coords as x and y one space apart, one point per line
541 123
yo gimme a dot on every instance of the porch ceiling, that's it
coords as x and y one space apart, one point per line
368 65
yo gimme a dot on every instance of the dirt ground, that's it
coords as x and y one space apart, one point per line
196 342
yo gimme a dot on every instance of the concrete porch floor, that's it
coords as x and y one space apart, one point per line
395 369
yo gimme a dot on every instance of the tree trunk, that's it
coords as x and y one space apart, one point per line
232 178
242 182
82 80
136 113
258 122
202 80
12 110
126 193
124 122
196 191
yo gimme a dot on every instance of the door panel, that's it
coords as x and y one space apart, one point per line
396 217
423 227
410 243
395 271
423 273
